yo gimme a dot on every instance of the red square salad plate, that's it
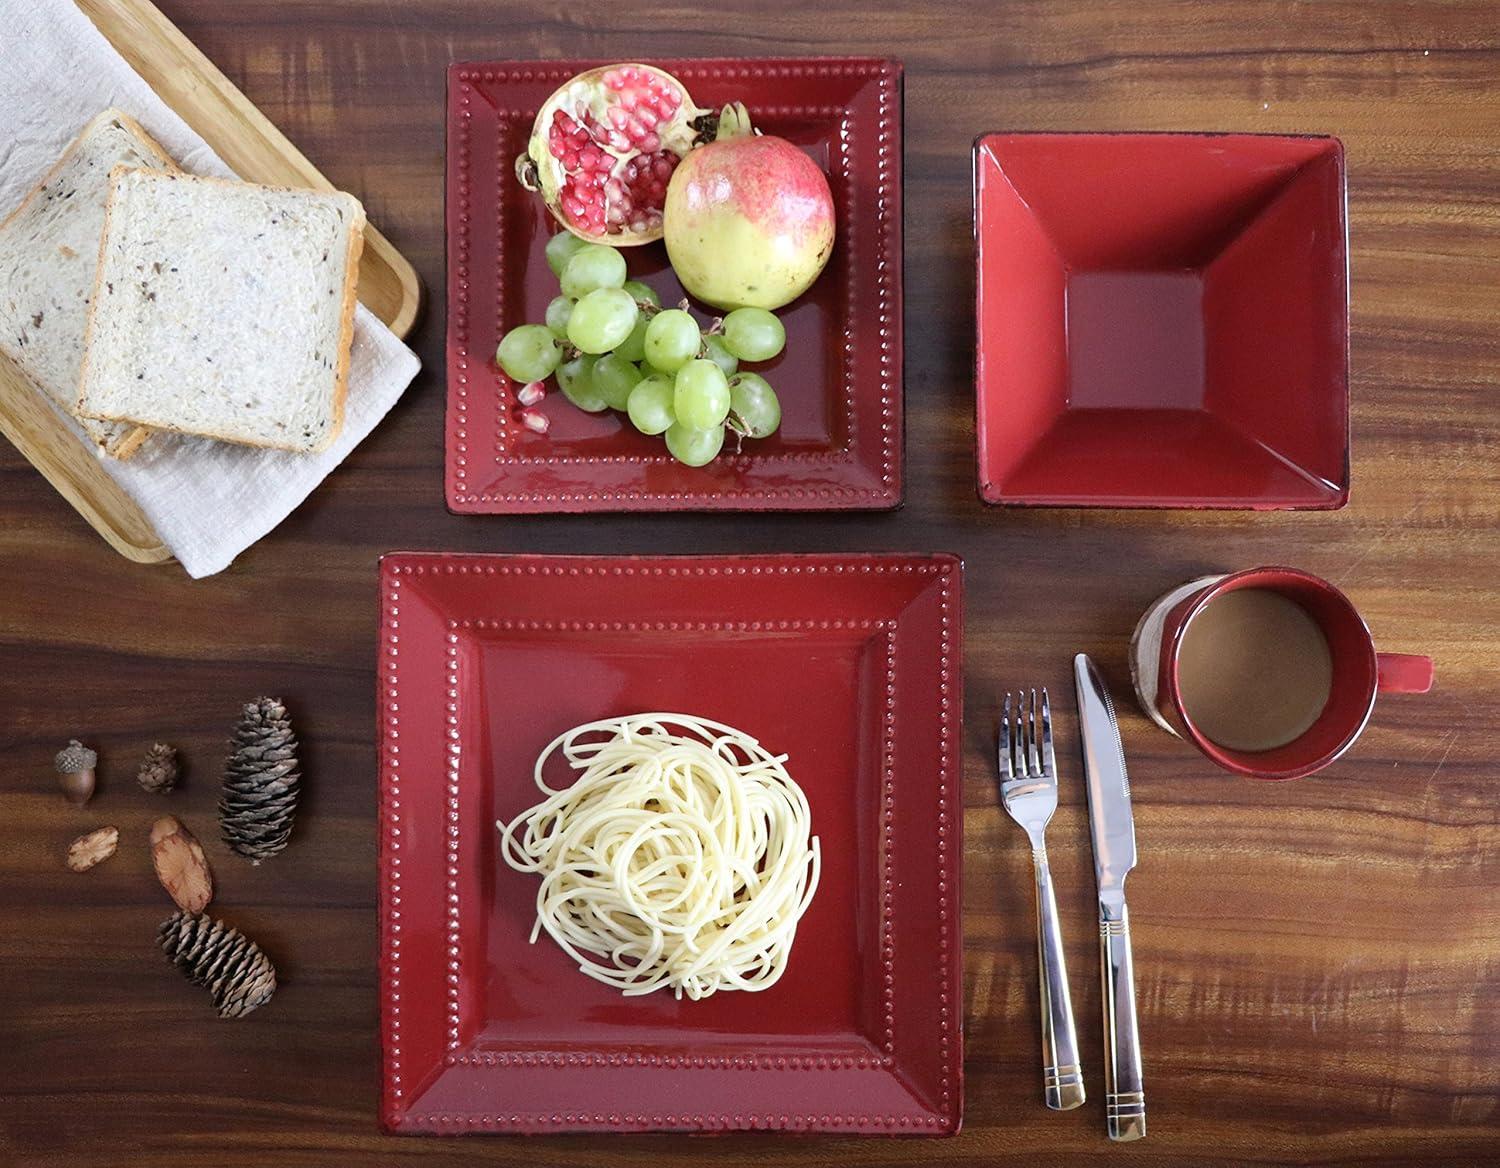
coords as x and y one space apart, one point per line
850 665
1163 320
840 444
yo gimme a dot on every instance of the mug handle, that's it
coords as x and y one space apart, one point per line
1402 673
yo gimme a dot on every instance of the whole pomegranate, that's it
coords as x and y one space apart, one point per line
603 147
749 218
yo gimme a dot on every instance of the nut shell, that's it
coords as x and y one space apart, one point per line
181 865
93 848
77 787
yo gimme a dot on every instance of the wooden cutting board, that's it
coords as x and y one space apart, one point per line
256 150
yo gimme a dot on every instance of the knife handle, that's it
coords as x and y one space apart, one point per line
1062 1081
1124 1091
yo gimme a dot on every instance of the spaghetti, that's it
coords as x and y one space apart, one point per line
680 857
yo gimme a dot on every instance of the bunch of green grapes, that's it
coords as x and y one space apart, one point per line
611 345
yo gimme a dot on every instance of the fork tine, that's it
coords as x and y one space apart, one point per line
1023 770
1032 734
1049 760
1005 743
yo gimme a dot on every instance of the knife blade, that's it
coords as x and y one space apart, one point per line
1111 822
1112 826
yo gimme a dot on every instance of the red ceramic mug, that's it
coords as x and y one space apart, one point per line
1357 671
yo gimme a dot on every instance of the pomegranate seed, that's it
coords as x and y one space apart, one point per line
613 163
536 421
531 393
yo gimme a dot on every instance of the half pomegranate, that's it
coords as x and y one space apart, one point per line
604 146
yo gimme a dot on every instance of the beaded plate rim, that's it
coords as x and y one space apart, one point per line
851 481
397 570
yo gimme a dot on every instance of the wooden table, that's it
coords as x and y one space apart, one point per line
1318 963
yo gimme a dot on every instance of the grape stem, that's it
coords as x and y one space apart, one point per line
736 424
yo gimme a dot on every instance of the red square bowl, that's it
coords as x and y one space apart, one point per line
1163 320
849 664
839 379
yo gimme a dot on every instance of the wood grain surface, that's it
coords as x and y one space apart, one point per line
1318 965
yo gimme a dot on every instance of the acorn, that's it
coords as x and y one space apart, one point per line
75 769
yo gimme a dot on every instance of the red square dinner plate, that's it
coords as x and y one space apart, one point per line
839 378
849 664
1163 320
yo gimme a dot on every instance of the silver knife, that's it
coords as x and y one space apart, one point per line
1113 829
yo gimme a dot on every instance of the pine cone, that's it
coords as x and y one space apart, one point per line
261 782
158 773
209 953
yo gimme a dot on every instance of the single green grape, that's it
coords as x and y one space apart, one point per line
642 292
602 320
561 248
529 352
633 347
558 312
593 266
650 405
754 402
614 378
754 334
672 340
719 354
576 379
701 395
694 447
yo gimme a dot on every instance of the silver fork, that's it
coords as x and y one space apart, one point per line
1028 790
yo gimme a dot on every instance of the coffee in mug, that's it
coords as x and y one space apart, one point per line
1254 669
1272 672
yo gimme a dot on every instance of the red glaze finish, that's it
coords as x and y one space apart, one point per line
1359 673
851 664
839 378
1162 320
1403 673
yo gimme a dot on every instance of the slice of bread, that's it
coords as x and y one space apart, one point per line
49 255
223 309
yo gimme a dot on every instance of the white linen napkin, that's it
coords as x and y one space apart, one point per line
207 500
